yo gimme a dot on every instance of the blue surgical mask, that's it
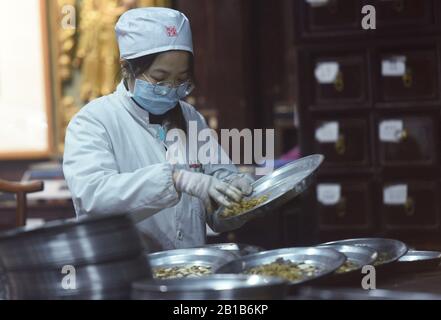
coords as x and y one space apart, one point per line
144 94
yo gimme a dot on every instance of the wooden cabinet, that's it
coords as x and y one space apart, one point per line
373 110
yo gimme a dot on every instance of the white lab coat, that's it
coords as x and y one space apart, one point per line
115 163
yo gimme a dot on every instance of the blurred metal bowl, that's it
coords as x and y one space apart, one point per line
89 240
414 261
325 260
360 256
389 250
238 249
107 281
214 287
280 186
202 257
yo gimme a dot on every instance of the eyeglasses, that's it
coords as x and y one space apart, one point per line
164 88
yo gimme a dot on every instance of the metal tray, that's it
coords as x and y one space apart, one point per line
89 240
203 257
214 287
389 250
415 260
361 256
326 260
280 186
238 249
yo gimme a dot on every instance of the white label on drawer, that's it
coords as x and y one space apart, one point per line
327 133
329 194
395 195
317 3
393 66
390 130
326 72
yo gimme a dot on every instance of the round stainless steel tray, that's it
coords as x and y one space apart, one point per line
389 250
360 256
325 260
281 186
214 287
201 257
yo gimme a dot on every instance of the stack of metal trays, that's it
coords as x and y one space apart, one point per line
214 287
91 258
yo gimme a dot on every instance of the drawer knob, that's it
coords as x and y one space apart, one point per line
340 145
408 78
409 207
339 83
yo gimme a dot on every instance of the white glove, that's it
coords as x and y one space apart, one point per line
206 188
242 182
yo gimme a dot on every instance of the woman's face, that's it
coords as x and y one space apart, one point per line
172 67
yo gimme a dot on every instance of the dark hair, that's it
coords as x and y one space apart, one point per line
135 67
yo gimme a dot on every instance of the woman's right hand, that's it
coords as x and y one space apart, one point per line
207 188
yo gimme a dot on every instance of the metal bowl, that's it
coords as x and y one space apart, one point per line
240 250
326 260
389 250
415 260
89 240
214 287
360 256
280 186
111 280
203 257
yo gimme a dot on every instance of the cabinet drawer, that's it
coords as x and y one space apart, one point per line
339 80
408 75
331 15
344 204
409 204
343 142
395 13
408 140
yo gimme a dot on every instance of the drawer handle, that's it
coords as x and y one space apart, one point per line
399 6
341 208
409 207
339 83
402 135
408 78
340 145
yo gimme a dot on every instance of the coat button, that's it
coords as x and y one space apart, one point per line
180 235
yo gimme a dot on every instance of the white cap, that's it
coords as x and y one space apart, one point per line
145 31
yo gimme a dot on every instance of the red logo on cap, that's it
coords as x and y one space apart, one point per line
172 32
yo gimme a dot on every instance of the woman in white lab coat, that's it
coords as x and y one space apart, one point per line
116 156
